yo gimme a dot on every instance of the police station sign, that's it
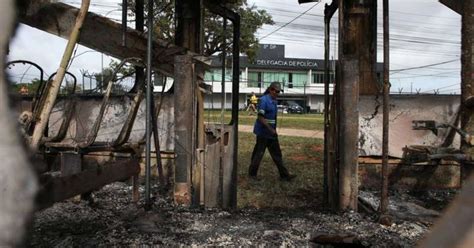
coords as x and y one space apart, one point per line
300 63
271 56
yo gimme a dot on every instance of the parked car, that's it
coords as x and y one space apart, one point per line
282 108
294 108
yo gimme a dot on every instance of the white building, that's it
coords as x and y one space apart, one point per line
302 79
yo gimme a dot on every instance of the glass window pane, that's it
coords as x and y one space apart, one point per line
269 77
318 78
253 79
299 79
208 76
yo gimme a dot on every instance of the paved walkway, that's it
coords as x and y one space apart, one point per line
289 132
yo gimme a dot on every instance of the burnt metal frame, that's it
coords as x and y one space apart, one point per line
92 135
42 82
69 110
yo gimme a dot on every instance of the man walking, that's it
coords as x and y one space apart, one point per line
265 130
252 104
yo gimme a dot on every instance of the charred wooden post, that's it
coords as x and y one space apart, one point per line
348 115
356 65
188 24
467 80
189 106
466 10
184 128
367 45
232 196
148 108
384 218
329 161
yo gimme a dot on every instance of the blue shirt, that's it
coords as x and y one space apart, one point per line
267 107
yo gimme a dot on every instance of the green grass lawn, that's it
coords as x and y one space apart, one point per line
302 156
297 121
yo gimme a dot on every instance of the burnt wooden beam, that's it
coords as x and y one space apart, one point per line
54 188
98 33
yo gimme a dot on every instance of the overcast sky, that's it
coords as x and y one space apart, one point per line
423 33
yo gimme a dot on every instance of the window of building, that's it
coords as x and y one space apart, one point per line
253 79
215 74
299 79
318 77
269 77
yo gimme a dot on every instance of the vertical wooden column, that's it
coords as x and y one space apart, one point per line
189 105
188 24
467 79
366 16
355 68
184 126
384 217
330 182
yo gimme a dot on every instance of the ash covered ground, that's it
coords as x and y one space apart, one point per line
113 220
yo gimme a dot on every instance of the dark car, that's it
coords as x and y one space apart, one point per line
294 107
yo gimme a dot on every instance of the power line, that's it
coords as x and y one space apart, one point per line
286 24
437 89
423 66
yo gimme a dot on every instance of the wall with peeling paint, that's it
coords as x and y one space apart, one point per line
403 110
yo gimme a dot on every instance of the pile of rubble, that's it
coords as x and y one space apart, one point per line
114 220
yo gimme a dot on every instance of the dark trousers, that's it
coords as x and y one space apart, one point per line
275 152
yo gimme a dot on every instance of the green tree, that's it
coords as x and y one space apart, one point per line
107 75
32 86
252 19
68 87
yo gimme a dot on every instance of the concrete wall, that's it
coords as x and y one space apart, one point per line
87 109
403 110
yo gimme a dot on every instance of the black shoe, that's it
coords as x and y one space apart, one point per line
288 178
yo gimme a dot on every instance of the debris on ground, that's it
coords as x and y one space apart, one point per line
114 220
401 206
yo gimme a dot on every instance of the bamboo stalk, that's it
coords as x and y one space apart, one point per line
56 84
